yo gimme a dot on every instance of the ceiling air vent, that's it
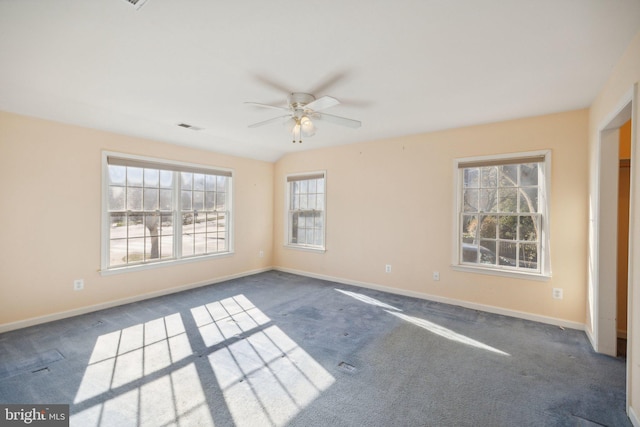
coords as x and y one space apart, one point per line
136 3
188 126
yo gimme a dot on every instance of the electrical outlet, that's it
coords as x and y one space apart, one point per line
557 293
436 276
78 284
387 268
261 254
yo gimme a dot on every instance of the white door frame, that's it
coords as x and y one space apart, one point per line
602 292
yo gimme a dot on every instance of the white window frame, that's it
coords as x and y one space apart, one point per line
544 198
176 166
288 217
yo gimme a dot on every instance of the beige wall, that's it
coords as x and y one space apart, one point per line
50 175
392 202
620 84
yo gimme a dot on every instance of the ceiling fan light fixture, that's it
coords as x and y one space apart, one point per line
307 126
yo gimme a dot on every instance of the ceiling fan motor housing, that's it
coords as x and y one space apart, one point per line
297 101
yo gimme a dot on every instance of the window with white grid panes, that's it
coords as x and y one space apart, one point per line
502 214
161 212
306 210
204 213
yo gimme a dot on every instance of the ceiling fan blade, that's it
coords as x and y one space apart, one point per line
275 107
266 122
268 81
329 82
322 103
343 121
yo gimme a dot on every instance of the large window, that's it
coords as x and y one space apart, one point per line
503 214
306 210
161 211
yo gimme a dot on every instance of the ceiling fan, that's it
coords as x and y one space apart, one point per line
301 111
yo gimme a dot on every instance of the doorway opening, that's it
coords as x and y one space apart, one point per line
609 245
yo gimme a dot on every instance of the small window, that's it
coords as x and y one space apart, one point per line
306 197
162 211
502 214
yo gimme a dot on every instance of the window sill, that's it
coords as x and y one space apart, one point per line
306 248
541 277
160 264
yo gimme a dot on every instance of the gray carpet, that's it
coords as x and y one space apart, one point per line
280 349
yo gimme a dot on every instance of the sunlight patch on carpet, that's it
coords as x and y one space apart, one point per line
447 333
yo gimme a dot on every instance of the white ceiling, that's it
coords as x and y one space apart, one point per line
401 67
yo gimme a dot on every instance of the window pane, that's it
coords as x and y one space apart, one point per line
311 201
221 204
507 251
151 196
320 202
529 174
528 229
210 200
134 176
117 252
507 200
200 244
117 175
118 240
165 200
222 242
508 227
198 200
166 225
198 181
312 185
488 252
116 198
186 200
136 250
210 182
151 178
320 185
303 201
186 179
166 179
319 237
529 199
294 227
187 245
488 227
469 253
166 246
470 177
528 256
470 201
136 226
212 222
134 198
508 175
488 200
303 186
489 176
469 228
221 183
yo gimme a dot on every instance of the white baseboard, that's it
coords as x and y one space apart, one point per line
635 420
487 308
6 327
